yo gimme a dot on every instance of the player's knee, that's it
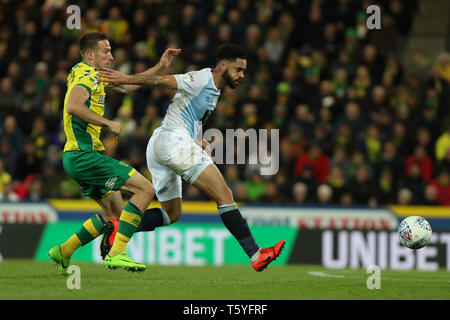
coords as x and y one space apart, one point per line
111 215
146 189
110 212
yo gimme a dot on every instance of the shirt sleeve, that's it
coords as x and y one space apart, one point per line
89 80
190 83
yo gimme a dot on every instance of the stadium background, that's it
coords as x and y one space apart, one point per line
363 117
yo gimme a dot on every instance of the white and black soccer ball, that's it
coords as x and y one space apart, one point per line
414 232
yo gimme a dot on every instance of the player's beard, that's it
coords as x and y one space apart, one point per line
229 80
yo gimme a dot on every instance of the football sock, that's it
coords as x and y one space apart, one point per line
152 219
237 225
129 220
91 229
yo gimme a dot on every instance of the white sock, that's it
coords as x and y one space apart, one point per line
255 257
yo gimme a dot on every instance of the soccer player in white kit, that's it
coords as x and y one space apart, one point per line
173 154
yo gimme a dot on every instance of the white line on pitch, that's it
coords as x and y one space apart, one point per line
323 274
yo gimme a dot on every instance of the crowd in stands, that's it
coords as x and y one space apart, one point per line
361 120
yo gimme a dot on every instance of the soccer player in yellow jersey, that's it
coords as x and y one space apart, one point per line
101 177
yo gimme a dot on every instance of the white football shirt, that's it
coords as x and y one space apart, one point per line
194 101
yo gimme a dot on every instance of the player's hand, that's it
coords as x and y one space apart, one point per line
167 57
205 144
115 127
112 76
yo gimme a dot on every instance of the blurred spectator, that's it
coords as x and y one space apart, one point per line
231 176
362 81
150 121
371 143
272 195
22 189
414 182
7 97
362 186
28 162
5 177
300 193
420 158
443 144
13 134
339 159
324 194
8 194
424 139
129 125
303 120
255 186
40 136
8 156
346 199
337 182
319 163
115 26
353 118
70 189
391 160
274 45
386 187
442 184
240 192
430 196
307 176
344 138
36 189
404 197
52 182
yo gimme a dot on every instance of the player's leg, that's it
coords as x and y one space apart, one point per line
167 186
213 184
112 206
153 218
93 227
131 215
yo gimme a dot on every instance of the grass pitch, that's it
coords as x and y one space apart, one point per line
26 279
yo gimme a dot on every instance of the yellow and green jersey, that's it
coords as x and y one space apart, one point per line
81 135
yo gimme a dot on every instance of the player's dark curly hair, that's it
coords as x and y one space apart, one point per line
230 52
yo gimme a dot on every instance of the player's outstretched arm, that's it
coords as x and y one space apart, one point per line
117 78
164 62
76 107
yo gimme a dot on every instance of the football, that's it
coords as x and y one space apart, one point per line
414 232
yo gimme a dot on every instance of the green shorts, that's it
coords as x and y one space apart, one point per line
97 174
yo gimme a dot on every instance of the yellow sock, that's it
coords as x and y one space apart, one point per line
119 245
69 247
90 230
129 220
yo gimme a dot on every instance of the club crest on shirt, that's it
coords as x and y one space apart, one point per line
188 77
